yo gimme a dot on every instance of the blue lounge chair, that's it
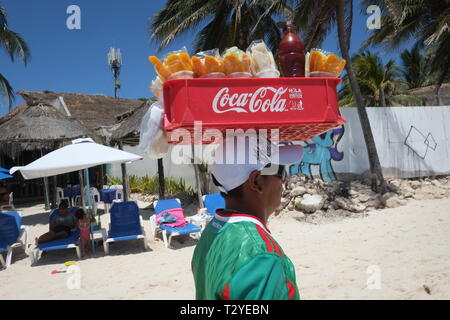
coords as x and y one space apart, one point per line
161 205
213 202
125 224
70 242
11 233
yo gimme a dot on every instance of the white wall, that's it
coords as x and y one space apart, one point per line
149 167
411 141
400 135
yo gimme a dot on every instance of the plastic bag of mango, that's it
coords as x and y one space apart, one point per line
204 64
323 63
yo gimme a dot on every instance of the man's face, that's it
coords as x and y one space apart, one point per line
274 189
4 196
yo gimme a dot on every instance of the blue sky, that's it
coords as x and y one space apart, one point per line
66 60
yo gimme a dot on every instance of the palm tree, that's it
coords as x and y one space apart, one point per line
15 47
427 21
315 18
227 22
380 84
416 67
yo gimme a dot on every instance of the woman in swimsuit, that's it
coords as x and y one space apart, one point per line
60 226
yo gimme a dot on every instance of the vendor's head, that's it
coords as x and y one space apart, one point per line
4 195
250 173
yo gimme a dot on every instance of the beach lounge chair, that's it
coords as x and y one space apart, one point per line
162 205
70 242
213 202
119 192
125 224
60 196
11 233
10 205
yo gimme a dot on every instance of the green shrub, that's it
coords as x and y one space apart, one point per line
150 185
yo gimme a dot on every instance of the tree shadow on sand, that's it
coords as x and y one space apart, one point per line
35 219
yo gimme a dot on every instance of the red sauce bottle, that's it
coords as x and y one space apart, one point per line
291 52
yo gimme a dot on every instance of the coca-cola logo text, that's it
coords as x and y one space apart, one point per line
260 100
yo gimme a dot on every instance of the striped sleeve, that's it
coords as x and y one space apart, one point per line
262 278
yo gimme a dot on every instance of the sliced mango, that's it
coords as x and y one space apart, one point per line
321 63
160 68
185 61
232 64
313 56
246 62
212 65
332 63
198 67
326 63
340 67
173 63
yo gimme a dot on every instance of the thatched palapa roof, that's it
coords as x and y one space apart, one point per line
93 111
428 94
129 129
40 127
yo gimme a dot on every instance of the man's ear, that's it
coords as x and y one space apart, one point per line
255 181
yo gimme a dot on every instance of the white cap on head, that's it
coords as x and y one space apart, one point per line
240 155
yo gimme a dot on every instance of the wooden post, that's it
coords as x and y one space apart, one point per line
55 185
46 191
124 177
197 180
46 194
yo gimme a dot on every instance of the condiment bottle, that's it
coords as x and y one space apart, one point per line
291 52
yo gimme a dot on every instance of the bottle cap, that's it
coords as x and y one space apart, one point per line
290 25
281 25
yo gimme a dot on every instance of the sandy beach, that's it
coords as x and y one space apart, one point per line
399 253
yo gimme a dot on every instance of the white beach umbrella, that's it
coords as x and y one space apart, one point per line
81 154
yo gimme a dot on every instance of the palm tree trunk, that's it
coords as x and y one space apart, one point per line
161 179
438 95
378 182
383 97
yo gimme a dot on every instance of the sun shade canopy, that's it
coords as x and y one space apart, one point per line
81 154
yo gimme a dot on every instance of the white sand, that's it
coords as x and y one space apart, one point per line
409 246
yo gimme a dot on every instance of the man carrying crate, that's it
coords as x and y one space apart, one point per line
236 257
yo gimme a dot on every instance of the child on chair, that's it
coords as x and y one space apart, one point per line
84 224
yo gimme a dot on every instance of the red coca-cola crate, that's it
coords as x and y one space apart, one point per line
301 108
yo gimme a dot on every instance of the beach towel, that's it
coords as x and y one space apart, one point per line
152 138
166 217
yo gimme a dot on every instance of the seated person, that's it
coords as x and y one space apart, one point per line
60 225
4 196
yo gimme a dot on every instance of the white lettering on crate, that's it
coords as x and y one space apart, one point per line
260 100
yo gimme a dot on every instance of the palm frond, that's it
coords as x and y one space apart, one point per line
177 17
315 19
14 45
3 17
226 22
212 35
274 7
6 91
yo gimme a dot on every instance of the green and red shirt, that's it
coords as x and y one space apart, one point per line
237 258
